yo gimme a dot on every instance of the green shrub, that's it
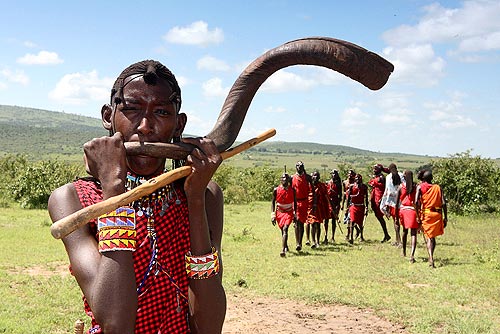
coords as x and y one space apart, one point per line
34 184
471 184
10 167
244 185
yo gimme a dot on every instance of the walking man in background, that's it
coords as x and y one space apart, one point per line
432 213
284 206
300 183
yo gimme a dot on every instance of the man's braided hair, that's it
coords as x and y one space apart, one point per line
150 70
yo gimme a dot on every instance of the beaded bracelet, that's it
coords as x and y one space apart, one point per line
117 230
203 266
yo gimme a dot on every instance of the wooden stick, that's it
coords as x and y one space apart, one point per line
70 223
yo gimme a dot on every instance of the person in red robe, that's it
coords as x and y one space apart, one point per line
318 207
334 191
357 200
284 206
406 214
300 182
346 184
432 213
377 183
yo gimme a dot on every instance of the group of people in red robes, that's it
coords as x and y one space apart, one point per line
308 203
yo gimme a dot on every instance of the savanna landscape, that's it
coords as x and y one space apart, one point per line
367 287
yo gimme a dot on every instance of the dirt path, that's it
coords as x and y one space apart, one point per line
279 316
268 315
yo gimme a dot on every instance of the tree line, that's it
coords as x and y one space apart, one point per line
471 183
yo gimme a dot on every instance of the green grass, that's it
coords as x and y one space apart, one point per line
460 296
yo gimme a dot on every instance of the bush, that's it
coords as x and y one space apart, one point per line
244 185
470 183
10 167
34 184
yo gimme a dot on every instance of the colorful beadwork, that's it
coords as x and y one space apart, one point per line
117 230
122 216
113 239
204 266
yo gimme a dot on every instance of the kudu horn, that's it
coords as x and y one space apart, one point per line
357 63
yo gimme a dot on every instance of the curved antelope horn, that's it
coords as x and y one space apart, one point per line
347 58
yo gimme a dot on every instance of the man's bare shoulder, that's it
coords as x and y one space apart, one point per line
63 201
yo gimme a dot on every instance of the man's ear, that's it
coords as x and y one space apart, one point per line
181 123
106 116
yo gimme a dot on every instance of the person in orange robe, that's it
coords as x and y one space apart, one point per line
284 206
432 213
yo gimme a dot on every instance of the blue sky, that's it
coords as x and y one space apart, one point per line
442 98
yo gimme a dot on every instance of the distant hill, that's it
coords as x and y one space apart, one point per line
43 134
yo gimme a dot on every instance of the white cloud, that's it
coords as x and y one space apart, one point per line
272 109
42 58
472 27
212 64
298 126
416 64
486 42
79 88
354 117
457 121
395 108
284 81
3 86
447 114
197 33
29 44
196 124
16 77
213 88
397 117
298 131
182 81
326 76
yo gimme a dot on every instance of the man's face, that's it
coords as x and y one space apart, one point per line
300 168
284 181
147 115
315 177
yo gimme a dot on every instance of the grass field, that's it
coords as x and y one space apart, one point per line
462 295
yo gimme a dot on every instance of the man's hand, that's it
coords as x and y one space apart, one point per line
105 159
204 161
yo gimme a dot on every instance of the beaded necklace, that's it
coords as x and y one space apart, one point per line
161 200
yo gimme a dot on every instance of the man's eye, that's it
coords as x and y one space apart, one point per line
162 112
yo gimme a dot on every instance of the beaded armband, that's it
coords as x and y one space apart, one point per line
204 266
116 230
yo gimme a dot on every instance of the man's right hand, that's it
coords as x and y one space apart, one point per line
106 160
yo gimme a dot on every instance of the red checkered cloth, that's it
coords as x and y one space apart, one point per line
158 304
